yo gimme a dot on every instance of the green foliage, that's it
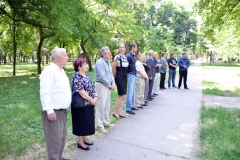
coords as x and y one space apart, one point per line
219 133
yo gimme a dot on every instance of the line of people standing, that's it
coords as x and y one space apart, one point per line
136 78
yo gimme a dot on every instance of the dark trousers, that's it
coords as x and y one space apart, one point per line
183 75
162 80
150 86
55 133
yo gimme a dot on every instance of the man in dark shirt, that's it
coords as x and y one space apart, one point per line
132 72
172 65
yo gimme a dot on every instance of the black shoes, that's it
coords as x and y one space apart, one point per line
178 87
186 88
155 94
134 108
174 87
130 112
122 116
90 143
140 107
115 116
86 149
65 159
145 104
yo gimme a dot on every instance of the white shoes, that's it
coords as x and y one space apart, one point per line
103 130
109 125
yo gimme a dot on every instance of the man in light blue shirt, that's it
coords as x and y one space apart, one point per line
104 84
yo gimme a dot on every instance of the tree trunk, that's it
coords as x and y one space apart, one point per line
87 57
14 44
210 58
42 60
39 58
229 61
47 58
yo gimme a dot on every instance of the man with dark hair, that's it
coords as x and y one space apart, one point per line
172 65
132 72
183 64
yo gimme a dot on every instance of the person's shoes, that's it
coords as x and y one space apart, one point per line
109 125
174 87
121 116
178 87
90 143
134 108
164 88
149 99
161 88
103 130
130 112
146 101
169 87
186 88
155 94
140 107
115 116
145 104
86 149
65 159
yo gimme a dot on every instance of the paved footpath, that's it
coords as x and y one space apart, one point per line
166 129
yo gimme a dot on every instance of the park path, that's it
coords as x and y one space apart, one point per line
166 129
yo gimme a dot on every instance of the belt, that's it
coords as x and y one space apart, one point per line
99 82
59 109
140 77
132 73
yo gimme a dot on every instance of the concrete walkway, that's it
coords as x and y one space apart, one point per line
166 129
215 101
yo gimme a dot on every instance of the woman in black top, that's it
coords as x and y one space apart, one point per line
119 69
83 118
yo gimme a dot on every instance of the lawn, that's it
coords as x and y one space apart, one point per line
219 134
20 113
221 80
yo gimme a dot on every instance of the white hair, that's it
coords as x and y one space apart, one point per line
140 55
149 52
103 50
57 51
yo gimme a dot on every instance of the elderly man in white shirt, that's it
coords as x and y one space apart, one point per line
55 95
140 83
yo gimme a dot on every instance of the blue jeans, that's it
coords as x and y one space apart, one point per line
131 91
172 74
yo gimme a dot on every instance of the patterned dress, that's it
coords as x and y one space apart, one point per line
83 118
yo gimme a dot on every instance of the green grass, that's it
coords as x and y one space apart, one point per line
219 134
221 81
221 64
214 88
20 111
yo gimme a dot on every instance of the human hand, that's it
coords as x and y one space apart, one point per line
185 67
94 101
159 65
112 87
150 78
146 77
52 116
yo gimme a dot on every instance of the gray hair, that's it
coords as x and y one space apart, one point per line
103 50
140 55
57 51
149 52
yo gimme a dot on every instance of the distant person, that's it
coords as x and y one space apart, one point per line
172 65
132 72
157 68
55 95
119 69
104 85
183 64
151 64
163 71
83 118
140 83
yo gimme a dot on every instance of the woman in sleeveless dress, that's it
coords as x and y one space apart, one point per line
119 69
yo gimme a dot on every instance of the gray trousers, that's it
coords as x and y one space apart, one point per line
55 133
150 86
146 89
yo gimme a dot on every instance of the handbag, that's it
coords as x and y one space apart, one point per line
77 100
